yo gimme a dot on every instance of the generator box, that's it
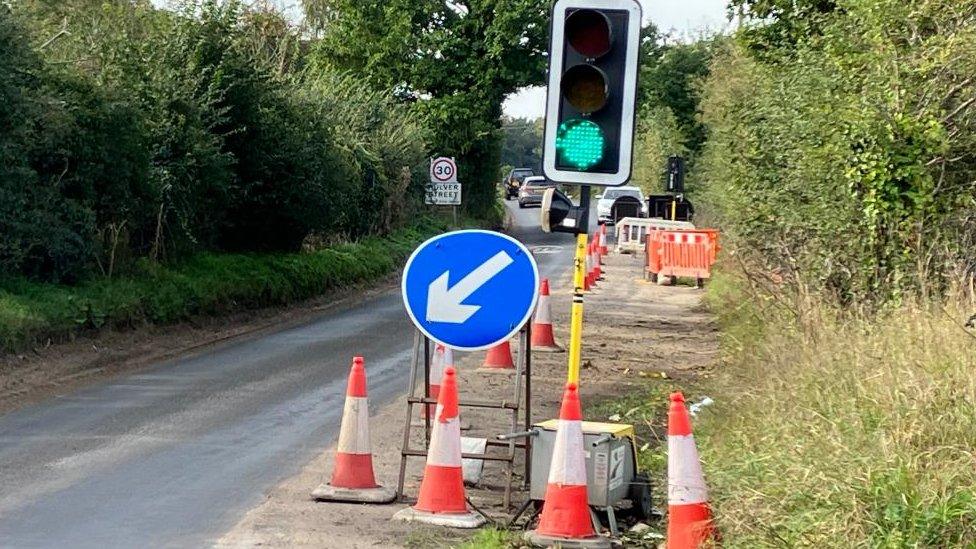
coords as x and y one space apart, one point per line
610 460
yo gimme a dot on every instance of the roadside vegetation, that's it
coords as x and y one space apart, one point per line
205 284
138 133
521 145
149 156
838 429
837 157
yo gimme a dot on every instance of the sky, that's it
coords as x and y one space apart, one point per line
682 17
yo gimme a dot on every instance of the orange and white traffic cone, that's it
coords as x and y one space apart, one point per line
603 238
441 500
499 357
542 336
352 473
443 358
689 516
593 263
565 519
598 254
587 271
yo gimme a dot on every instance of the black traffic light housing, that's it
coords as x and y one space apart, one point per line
676 175
559 215
590 105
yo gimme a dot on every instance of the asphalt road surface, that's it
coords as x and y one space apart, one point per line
175 454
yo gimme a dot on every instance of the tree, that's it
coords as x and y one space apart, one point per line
128 131
773 27
671 75
658 136
456 61
522 143
845 164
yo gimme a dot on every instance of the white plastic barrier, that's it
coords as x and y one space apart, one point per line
632 230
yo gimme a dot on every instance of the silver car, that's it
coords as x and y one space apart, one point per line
532 190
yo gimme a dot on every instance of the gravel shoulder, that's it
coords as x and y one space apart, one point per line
633 329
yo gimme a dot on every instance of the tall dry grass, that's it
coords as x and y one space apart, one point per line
842 430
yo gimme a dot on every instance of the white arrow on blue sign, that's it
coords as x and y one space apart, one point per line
470 289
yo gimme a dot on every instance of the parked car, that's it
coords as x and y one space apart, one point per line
514 181
605 201
532 190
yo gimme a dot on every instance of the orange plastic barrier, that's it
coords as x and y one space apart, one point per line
681 253
652 247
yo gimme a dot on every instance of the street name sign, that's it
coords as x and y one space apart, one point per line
443 194
471 289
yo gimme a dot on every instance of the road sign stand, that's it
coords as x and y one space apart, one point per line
523 367
444 188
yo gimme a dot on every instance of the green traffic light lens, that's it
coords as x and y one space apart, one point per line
580 143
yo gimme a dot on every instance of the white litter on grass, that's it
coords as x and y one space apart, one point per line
696 407
473 468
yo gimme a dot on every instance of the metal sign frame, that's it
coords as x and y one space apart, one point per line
521 400
553 96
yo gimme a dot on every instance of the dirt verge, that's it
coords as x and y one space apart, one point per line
633 330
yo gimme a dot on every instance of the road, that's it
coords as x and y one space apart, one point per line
174 454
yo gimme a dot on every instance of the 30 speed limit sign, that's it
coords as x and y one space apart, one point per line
443 170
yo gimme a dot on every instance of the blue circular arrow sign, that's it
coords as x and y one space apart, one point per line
470 289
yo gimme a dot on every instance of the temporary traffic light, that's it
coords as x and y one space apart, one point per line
559 214
593 55
676 174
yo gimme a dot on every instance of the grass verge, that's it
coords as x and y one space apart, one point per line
206 284
841 431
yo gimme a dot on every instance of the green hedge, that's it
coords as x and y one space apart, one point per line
158 133
205 284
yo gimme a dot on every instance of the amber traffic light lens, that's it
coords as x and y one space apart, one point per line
588 32
585 88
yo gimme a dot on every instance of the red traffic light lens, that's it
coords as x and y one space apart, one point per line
585 88
588 32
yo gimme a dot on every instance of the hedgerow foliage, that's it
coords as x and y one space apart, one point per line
129 132
840 150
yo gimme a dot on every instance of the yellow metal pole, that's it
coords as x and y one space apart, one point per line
576 315
674 210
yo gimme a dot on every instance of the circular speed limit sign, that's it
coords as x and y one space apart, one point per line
443 170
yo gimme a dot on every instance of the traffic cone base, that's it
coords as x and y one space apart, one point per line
468 519
352 473
539 540
380 494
